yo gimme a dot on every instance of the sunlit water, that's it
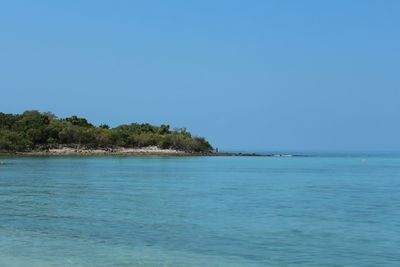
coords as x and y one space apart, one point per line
200 211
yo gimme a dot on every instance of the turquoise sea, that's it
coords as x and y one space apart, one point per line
320 210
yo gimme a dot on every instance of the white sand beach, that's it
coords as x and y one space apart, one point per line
152 150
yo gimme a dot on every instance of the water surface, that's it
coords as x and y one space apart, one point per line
200 211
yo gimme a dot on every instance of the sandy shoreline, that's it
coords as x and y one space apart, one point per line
153 151
67 151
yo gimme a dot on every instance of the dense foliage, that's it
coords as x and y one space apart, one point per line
33 130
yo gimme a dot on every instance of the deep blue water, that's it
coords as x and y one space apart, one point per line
200 211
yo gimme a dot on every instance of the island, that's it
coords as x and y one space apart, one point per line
43 133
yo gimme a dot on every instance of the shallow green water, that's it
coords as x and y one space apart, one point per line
200 211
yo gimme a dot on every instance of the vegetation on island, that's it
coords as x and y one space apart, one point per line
34 130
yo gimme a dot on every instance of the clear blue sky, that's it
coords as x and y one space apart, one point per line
258 75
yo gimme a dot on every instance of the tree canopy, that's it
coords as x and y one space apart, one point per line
40 130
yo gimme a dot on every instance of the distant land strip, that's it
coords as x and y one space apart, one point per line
43 133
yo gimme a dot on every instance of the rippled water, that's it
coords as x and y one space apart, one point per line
200 211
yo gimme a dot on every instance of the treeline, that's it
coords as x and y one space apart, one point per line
37 130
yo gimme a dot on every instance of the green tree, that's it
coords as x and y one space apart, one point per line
74 120
33 129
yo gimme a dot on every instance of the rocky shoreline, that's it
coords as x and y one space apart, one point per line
151 151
